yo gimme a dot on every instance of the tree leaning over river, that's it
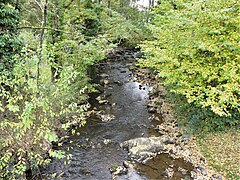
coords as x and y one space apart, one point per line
48 79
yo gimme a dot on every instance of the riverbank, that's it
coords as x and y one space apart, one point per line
222 149
132 131
214 155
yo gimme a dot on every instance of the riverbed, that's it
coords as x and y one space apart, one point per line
120 113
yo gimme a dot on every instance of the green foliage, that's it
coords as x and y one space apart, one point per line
10 43
127 23
31 120
201 121
38 112
231 175
121 30
90 18
196 50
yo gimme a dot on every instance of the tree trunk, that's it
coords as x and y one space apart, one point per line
44 23
56 23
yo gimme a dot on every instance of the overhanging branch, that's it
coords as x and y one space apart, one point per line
46 28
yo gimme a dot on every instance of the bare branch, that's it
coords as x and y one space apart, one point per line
39 5
47 28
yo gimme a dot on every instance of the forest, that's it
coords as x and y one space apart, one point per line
49 50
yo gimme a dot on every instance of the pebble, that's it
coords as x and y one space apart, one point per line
107 141
103 75
126 164
152 110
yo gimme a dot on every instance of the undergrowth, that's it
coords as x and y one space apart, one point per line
201 121
217 137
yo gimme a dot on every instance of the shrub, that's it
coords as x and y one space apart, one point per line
196 50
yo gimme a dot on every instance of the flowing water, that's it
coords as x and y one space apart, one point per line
97 149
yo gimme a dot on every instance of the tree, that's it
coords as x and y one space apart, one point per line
63 36
196 50
10 43
44 23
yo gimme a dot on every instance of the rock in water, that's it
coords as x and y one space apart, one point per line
105 81
168 173
103 75
104 117
152 110
138 55
107 117
118 83
107 141
143 148
117 171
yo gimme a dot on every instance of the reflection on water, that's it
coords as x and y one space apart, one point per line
97 148
156 168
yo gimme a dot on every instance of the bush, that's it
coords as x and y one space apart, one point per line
196 50
10 43
31 120
45 97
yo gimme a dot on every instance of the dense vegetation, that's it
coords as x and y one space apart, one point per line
195 49
47 51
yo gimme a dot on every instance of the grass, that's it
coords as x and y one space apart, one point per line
217 137
222 149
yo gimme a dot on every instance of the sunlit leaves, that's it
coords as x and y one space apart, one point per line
196 49
57 154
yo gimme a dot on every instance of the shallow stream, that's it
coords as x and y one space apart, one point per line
97 148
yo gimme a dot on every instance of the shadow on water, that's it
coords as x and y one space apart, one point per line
156 168
97 148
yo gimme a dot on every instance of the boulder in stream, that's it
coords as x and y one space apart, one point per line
116 171
103 116
142 148
103 75
101 100
107 117
152 110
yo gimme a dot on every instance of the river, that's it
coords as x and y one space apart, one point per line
97 149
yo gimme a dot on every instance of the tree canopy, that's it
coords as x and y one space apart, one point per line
49 48
195 48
